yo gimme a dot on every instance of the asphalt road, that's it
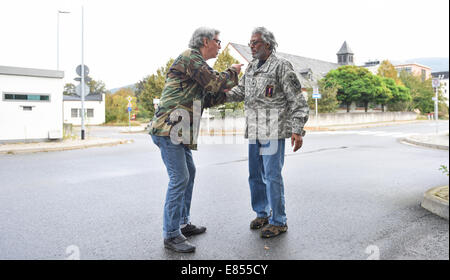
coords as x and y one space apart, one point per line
349 195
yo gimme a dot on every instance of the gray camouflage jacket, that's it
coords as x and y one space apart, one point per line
274 104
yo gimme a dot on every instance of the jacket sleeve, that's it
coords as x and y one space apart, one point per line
237 94
211 80
296 102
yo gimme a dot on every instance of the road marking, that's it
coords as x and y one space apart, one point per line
366 133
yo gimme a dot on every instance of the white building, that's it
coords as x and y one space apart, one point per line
443 78
94 107
30 104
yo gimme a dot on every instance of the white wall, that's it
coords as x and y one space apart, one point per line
237 124
45 117
99 112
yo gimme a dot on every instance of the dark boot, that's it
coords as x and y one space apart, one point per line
191 229
179 244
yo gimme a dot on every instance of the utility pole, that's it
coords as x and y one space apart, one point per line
82 74
436 83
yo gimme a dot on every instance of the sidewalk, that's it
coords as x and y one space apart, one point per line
358 126
63 145
436 141
434 200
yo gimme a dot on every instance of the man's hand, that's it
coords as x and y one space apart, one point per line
296 139
237 67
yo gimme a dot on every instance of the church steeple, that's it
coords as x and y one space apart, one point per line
345 55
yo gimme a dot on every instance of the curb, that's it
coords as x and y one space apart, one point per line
64 148
435 204
423 144
361 125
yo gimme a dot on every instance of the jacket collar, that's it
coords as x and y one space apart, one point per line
266 66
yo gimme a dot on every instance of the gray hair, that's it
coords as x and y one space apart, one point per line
267 37
196 41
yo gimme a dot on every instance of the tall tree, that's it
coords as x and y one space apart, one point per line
421 92
116 105
388 70
223 62
69 89
328 102
353 83
95 87
383 92
151 87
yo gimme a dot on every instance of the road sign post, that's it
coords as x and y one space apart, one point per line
129 98
436 83
316 95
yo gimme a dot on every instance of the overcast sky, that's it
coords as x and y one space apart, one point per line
126 40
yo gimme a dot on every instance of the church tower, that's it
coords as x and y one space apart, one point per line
345 55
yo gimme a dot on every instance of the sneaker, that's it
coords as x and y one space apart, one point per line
179 244
259 223
191 229
272 230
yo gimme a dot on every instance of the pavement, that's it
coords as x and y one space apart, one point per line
62 145
435 200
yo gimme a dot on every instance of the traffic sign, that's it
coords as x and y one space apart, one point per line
129 109
78 90
86 70
436 83
86 79
317 95
129 98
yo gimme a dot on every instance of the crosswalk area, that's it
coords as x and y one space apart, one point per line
365 133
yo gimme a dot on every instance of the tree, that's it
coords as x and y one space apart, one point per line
223 62
388 70
95 87
421 92
69 89
328 103
400 96
151 87
384 88
116 105
353 83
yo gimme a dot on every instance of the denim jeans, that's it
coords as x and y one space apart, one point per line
266 182
181 170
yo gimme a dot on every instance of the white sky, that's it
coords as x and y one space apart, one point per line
126 40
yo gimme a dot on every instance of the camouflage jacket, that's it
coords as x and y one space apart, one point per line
274 104
189 82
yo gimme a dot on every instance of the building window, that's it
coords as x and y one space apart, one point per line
350 58
90 113
74 113
424 74
25 97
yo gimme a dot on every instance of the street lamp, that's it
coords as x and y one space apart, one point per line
57 37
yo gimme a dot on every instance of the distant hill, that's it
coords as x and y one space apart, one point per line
437 64
132 87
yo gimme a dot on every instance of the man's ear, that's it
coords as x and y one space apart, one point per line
205 42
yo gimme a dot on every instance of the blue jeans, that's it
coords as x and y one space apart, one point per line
266 182
181 170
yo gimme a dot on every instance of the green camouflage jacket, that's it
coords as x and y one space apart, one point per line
274 104
191 85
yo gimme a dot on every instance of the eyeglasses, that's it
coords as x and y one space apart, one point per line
254 43
217 41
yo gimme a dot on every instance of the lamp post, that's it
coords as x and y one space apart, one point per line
82 74
57 37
